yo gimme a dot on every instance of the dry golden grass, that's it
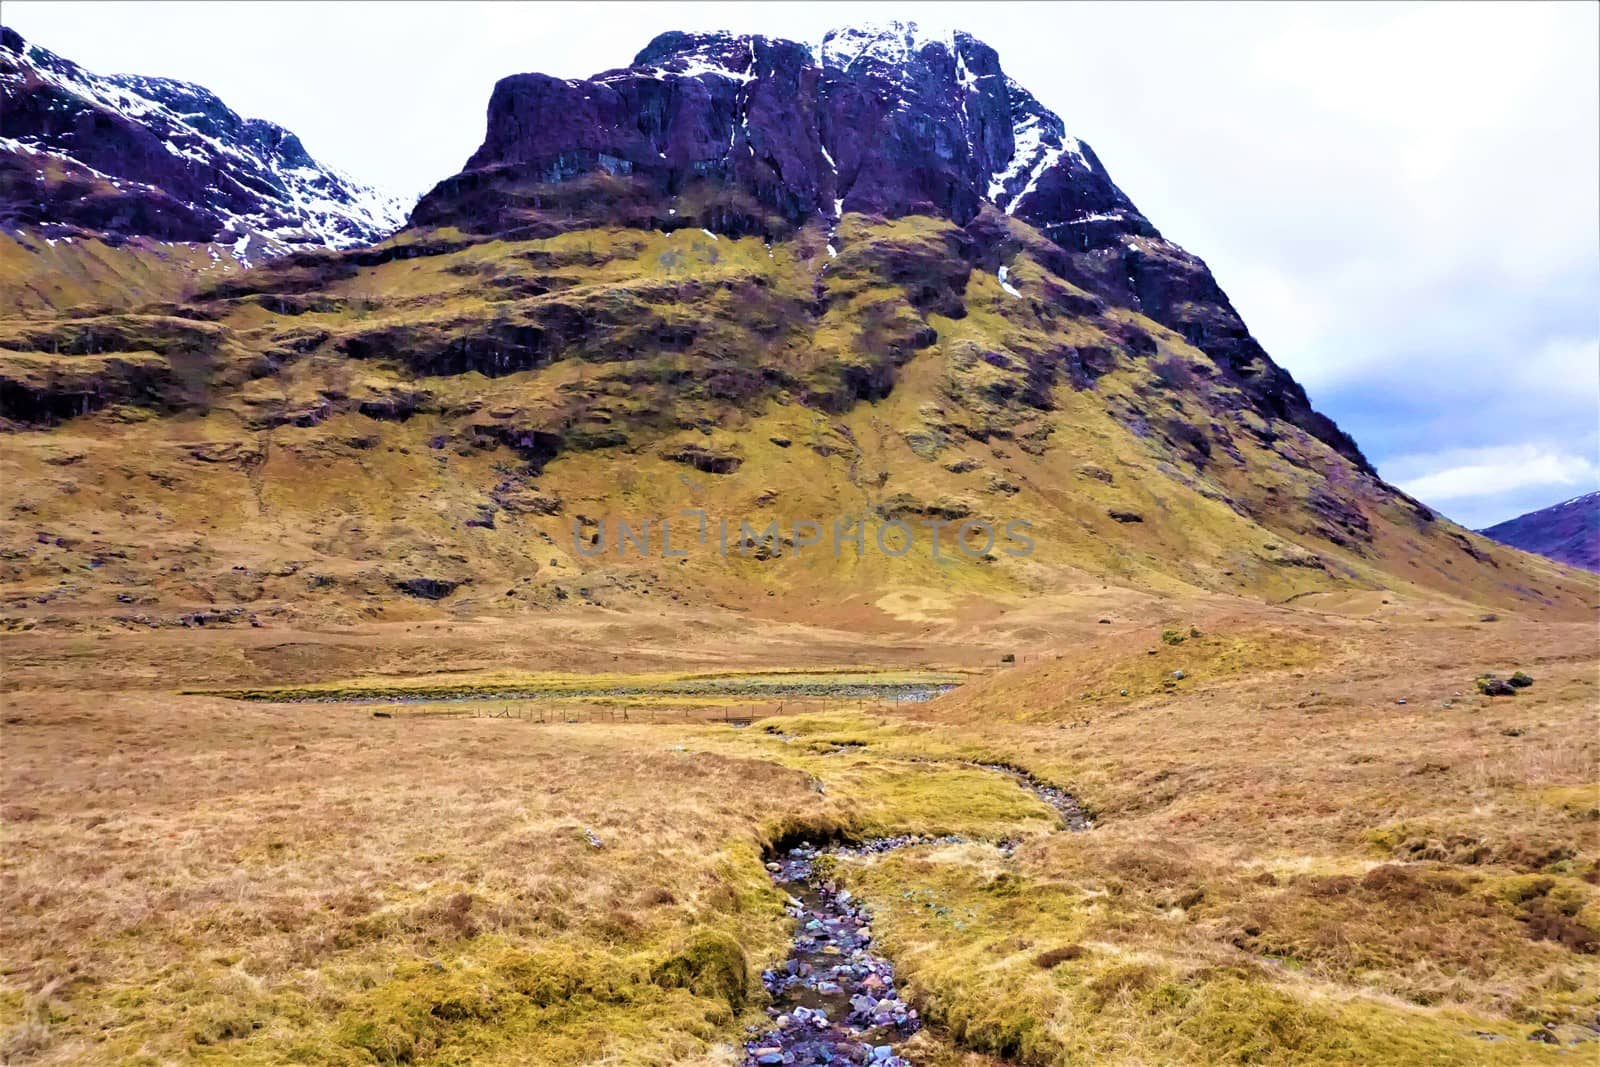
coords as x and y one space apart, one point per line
55 275
189 879
1290 865
1287 865
197 879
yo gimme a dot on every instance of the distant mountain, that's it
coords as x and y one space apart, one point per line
1568 532
118 156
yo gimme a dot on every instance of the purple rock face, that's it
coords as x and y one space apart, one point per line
755 135
123 156
883 121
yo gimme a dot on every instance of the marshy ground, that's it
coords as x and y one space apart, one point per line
1319 844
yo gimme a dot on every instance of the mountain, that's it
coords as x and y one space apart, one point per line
1568 532
752 135
844 293
120 156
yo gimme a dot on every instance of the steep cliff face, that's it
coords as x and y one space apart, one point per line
753 135
86 155
880 121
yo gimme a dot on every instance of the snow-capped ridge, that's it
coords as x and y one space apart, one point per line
892 43
179 144
898 54
1579 501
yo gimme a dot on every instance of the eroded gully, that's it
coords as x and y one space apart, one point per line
834 999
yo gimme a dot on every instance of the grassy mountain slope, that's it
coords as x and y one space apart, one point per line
416 428
41 276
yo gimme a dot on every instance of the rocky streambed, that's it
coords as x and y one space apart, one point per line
834 999
1064 803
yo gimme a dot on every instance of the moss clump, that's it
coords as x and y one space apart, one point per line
1520 680
712 965
1172 637
1579 801
224 1021
407 1018
426 1005
1120 979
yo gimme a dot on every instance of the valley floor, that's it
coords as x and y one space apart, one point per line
1313 841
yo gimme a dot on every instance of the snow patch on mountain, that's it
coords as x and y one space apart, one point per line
1040 143
1004 275
893 44
259 180
891 50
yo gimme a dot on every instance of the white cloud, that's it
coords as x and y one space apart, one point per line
1569 365
1495 471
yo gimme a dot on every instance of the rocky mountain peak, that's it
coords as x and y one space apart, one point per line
122 155
755 135
894 44
1012 151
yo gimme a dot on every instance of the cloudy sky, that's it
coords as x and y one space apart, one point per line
1401 200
